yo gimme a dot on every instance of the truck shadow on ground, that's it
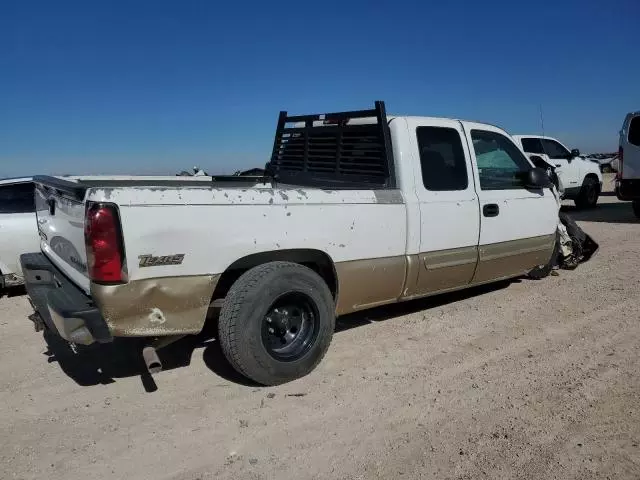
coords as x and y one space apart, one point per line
11 292
103 364
619 212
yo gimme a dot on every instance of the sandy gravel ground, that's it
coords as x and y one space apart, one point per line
524 380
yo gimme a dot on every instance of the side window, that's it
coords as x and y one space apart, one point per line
532 145
634 131
17 198
500 163
554 149
442 159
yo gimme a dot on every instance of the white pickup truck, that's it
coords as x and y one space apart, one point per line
356 210
581 179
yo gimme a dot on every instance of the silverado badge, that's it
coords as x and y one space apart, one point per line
151 261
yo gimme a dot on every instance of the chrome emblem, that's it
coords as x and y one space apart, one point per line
151 261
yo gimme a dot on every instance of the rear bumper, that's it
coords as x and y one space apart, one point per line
628 189
63 307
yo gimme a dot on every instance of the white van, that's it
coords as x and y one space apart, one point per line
628 178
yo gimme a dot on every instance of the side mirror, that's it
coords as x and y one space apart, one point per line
537 178
575 153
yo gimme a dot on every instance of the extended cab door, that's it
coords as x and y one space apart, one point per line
449 212
517 225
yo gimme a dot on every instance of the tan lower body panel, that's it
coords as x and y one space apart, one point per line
446 269
509 259
156 306
367 283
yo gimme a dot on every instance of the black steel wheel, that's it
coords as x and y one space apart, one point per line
290 327
276 322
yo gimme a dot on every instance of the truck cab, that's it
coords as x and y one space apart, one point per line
580 178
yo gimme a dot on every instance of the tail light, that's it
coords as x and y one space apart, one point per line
102 236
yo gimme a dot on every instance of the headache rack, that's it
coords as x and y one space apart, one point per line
334 150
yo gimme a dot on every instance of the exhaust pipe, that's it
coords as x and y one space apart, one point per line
151 359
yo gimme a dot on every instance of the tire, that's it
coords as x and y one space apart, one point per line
543 271
589 193
264 302
636 208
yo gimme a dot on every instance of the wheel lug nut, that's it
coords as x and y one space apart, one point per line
271 330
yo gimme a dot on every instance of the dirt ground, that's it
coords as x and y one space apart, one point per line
528 379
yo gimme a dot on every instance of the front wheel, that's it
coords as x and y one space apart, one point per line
589 193
277 322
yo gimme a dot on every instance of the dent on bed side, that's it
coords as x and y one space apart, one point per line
156 306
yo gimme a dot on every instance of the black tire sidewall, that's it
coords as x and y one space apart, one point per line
589 185
251 355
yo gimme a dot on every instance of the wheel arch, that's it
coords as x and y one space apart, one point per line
592 176
317 260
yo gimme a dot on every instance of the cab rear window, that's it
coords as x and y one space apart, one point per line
532 145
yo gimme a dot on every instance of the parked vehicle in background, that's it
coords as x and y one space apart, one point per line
355 210
608 163
18 230
582 179
628 177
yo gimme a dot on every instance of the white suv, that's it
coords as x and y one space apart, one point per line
580 178
628 177
18 228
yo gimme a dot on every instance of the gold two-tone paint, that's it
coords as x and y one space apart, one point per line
368 283
513 258
156 306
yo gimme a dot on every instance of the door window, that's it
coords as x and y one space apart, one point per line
501 164
554 150
532 145
442 159
17 198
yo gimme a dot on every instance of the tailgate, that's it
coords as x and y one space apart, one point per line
60 211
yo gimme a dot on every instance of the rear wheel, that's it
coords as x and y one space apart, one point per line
636 208
276 322
589 193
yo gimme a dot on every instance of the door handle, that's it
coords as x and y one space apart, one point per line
490 210
558 164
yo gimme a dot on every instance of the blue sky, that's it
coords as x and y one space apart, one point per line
158 86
